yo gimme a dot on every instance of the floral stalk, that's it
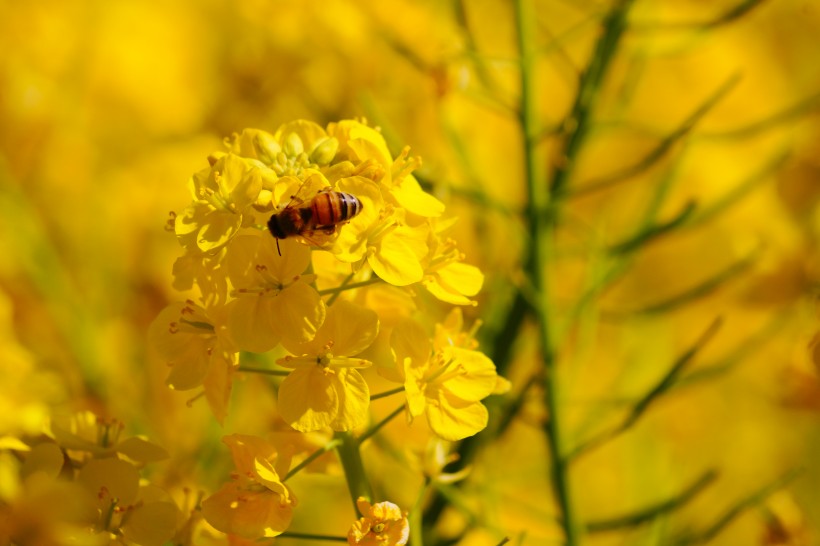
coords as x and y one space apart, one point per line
351 459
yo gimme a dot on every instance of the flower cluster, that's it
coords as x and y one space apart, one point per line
299 242
82 458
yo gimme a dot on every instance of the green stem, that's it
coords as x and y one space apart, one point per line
384 394
416 516
308 536
264 371
333 444
341 287
344 287
541 227
351 459
375 428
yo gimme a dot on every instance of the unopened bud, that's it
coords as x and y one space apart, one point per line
325 151
293 145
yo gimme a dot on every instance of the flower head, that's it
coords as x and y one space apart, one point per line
325 389
195 342
255 503
381 524
443 381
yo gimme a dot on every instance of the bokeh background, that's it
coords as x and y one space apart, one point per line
708 116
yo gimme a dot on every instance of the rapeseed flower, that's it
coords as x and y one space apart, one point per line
255 503
381 524
223 195
325 389
274 298
195 342
444 382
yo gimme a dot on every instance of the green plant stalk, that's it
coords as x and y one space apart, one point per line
351 459
543 211
541 228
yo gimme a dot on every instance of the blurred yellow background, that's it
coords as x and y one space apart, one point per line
108 107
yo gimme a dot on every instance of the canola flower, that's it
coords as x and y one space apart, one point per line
249 291
382 524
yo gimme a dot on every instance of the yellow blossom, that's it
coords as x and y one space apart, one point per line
325 389
446 383
255 503
222 196
85 432
196 344
446 276
381 524
274 300
141 514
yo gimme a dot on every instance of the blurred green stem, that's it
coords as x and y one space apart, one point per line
541 229
351 459
543 210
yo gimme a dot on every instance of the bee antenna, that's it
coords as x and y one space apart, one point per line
277 247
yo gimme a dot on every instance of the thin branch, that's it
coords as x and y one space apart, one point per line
656 510
738 509
663 147
645 402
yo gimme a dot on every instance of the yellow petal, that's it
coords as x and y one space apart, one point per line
253 260
308 399
408 340
409 195
188 370
140 450
478 379
354 400
395 262
218 383
453 419
110 478
248 514
46 457
250 323
461 278
296 313
350 327
151 524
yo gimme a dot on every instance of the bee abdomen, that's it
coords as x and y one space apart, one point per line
331 208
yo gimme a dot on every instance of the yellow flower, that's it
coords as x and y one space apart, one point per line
195 343
256 503
446 383
379 237
325 389
381 524
87 433
446 277
144 515
222 197
274 301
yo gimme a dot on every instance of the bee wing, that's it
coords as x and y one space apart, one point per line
300 192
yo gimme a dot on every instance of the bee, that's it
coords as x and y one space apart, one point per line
324 212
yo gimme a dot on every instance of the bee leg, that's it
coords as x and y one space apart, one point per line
277 247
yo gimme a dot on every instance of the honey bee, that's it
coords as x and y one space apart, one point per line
324 212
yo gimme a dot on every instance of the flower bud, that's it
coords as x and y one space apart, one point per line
293 145
325 151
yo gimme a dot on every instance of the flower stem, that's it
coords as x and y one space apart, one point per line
351 459
384 394
543 213
341 287
333 444
415 517
264 371
344 287
375 428
308 536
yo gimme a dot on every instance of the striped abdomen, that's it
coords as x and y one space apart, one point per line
330 208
